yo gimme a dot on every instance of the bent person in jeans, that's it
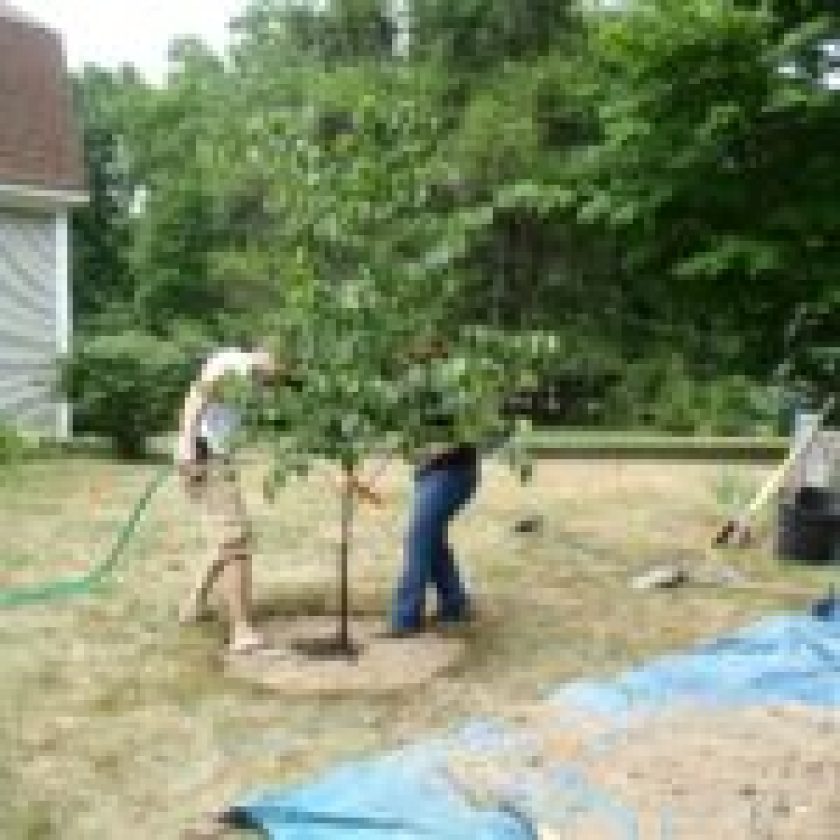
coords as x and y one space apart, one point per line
443 484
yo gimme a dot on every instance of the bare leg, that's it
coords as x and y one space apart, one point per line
194 606
230 564
235 589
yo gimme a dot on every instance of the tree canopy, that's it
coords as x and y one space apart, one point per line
646 181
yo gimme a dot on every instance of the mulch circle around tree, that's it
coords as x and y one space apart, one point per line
301 658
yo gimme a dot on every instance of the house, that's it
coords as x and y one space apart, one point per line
41 180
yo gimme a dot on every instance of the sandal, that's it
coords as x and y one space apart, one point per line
256 646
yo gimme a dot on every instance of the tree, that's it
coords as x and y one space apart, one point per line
102 229
790 14
715 171
337 32
650 182
357 29
474 36
368 295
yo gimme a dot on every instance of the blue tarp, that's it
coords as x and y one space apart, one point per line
400 797
787 659
409 795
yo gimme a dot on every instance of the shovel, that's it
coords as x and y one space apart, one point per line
737 530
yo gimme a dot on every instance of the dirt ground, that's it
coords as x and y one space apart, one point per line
751 773
116 723
296 663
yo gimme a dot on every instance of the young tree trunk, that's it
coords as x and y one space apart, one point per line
340 644
345 645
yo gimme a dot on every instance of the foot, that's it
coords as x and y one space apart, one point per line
247 640
193 610
401 632
462 618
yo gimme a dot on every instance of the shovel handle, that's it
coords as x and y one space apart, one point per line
740 524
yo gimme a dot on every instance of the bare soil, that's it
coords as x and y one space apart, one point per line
299 659
690 774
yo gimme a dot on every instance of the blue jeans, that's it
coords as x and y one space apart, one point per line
438 495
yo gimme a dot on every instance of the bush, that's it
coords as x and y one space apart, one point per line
12 445
662 394
654 393
128 387
737 405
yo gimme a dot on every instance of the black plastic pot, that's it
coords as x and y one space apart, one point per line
809 527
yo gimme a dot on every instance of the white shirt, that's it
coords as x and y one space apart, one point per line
218 424
215 421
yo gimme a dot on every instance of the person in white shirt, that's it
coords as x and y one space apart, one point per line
209 426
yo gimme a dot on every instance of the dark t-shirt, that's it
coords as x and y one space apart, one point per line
462 456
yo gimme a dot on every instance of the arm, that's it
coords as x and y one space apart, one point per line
188 423
186 457
360 487
366 491
429 453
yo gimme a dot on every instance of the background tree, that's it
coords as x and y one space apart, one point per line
102 229
714 170
474 36
652 183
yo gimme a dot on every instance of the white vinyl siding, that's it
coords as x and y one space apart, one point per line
33 318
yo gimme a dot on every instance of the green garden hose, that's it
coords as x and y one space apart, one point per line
69 587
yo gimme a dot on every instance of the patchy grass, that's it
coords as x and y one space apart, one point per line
115 722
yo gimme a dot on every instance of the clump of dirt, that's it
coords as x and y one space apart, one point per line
690 774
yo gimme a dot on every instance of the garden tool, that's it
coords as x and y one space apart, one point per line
738 528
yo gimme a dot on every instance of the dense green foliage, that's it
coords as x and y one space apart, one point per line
368 283
715 170
127 387
652 183
12 445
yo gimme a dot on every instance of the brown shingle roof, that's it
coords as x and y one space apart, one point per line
39 137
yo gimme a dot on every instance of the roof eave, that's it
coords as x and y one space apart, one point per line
14 15
26 196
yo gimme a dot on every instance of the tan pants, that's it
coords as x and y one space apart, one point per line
219 496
